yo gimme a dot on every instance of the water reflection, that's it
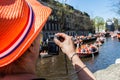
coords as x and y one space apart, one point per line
55 68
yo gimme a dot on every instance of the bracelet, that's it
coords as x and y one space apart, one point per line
78 70
73 56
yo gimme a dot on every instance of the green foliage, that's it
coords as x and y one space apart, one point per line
116 23
98 22
67 16
86 14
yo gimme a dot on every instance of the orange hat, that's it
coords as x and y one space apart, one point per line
20 23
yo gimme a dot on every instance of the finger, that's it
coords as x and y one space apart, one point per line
57 42
61 34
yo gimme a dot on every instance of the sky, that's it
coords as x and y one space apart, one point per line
102 8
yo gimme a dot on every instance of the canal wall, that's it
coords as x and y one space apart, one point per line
110 73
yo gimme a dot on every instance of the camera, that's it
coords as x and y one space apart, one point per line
53 49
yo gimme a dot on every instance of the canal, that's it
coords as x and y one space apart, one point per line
58 68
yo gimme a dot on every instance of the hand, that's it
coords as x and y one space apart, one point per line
67 45
68 48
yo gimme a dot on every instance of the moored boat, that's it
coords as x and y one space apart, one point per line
44 55
85 40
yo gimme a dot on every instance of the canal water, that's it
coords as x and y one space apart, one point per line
60 68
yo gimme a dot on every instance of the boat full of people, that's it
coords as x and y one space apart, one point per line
87 50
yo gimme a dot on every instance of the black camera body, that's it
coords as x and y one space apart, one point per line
53 49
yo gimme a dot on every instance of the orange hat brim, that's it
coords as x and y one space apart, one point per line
41 14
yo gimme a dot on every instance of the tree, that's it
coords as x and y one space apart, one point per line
62 13
98 23
115 23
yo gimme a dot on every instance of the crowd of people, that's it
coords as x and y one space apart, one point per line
86 49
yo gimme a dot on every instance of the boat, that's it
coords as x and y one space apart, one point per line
118 36
98 43
88 53
85 54
113 35
107 34
44 55
100 40
85 40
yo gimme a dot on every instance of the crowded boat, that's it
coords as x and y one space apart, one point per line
87 50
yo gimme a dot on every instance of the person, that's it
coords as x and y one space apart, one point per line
21 22
67 46
92 48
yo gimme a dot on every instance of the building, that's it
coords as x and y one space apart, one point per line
110 25
64 18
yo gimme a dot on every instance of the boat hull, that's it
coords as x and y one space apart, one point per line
88 54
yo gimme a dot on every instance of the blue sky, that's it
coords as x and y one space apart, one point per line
102 8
